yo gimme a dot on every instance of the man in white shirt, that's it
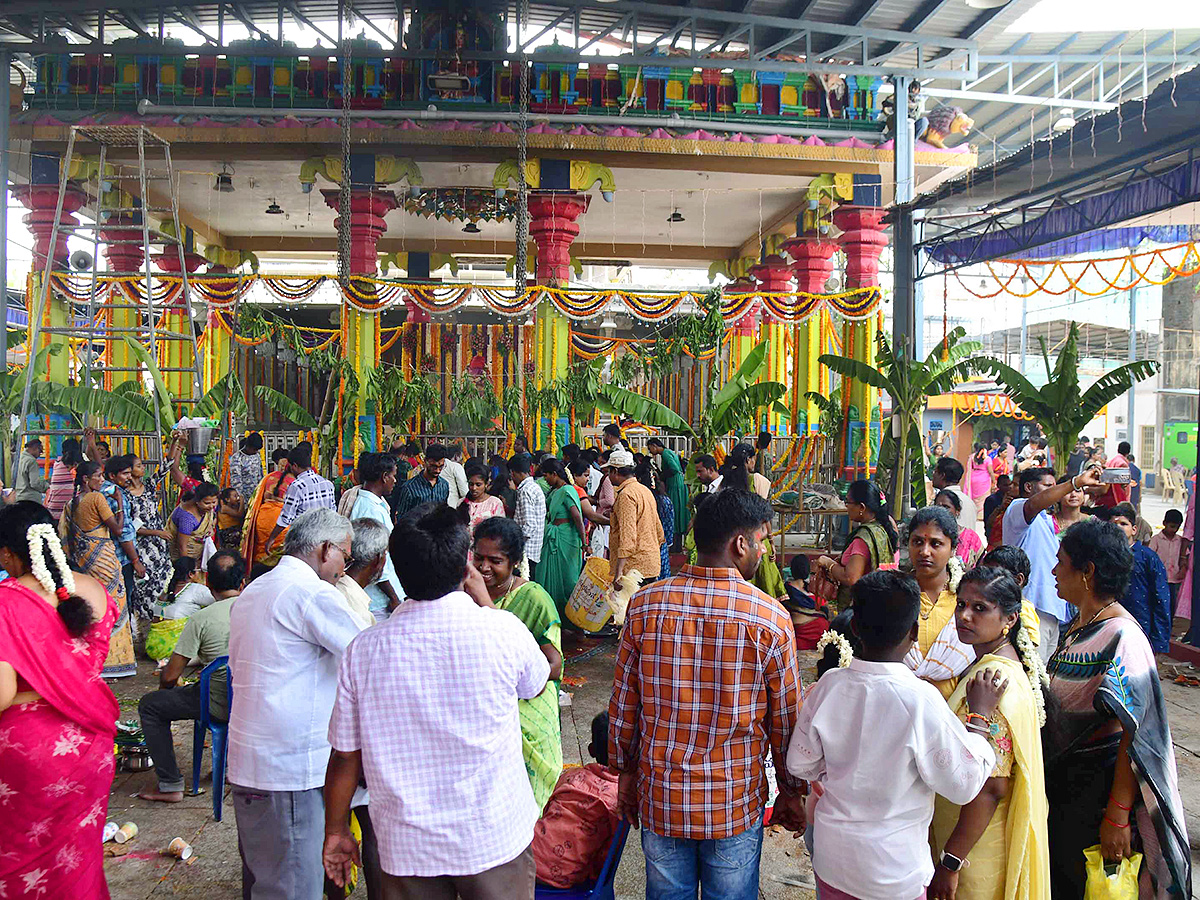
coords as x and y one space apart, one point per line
948 475
871 824
1027 524
707 474
287 633
455 475
451 803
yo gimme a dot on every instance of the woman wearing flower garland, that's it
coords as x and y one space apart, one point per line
1002 832
92 532
57 718
1110 771
938 656
872 541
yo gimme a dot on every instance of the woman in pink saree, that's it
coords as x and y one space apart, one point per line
57 717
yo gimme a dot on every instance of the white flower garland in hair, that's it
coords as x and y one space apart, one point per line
956 569
40 537
833 638
1032 663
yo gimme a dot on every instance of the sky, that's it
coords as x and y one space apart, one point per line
1108 15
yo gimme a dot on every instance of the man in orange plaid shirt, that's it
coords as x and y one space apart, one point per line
706 684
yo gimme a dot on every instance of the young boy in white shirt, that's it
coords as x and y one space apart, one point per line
883 743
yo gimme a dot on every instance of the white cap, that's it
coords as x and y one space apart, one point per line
619 459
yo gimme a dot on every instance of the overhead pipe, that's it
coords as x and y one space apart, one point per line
146 108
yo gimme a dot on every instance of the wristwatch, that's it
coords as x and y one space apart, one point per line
952 863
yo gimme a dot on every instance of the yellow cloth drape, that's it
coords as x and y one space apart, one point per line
939 615
1011 859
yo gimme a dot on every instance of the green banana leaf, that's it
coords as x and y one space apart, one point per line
619 400
166 414
286 407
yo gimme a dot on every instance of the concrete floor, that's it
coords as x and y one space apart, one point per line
214 873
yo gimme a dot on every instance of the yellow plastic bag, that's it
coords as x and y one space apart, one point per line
588 607
1122 884
161 637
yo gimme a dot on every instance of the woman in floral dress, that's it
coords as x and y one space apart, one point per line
145 504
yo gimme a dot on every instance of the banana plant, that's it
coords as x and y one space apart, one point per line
1060 406
910 383
729 407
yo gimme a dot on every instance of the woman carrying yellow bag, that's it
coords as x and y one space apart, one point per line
996 846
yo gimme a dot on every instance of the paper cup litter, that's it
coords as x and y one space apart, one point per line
126 832
110 831
179 848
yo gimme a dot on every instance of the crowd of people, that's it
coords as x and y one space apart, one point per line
982 716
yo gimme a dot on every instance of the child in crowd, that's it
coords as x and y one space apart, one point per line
810 615
1148 598
1173 549
870 835
571 839
186 591
231 514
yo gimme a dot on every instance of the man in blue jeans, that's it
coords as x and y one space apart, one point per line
706 685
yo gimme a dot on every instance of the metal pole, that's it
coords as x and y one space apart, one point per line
5 61
1024 331
905 326
1131 400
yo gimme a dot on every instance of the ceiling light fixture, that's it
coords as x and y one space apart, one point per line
224 182
471 228
274 209
1065 120
987 4
676 216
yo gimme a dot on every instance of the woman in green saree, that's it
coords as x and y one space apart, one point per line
562 549
672 470
498 546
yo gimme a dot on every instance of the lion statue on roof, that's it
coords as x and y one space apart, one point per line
943 122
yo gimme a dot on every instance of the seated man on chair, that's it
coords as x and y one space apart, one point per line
205 637
572 838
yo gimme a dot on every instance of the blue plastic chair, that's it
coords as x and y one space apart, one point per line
220 736
603 888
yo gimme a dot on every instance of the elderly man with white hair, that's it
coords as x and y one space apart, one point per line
287 634
369 552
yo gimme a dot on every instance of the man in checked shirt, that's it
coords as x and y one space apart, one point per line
706 684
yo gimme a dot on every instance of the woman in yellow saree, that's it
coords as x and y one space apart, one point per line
261 516
1002 833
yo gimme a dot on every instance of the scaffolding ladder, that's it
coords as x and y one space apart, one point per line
147 325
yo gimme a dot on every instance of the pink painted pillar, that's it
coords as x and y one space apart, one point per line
773 274
123 258
862 239
553 226
41 201
812 262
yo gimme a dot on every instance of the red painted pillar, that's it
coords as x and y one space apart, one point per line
862 239
553 226
367 209
773 274
123 258
812 262
41 201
